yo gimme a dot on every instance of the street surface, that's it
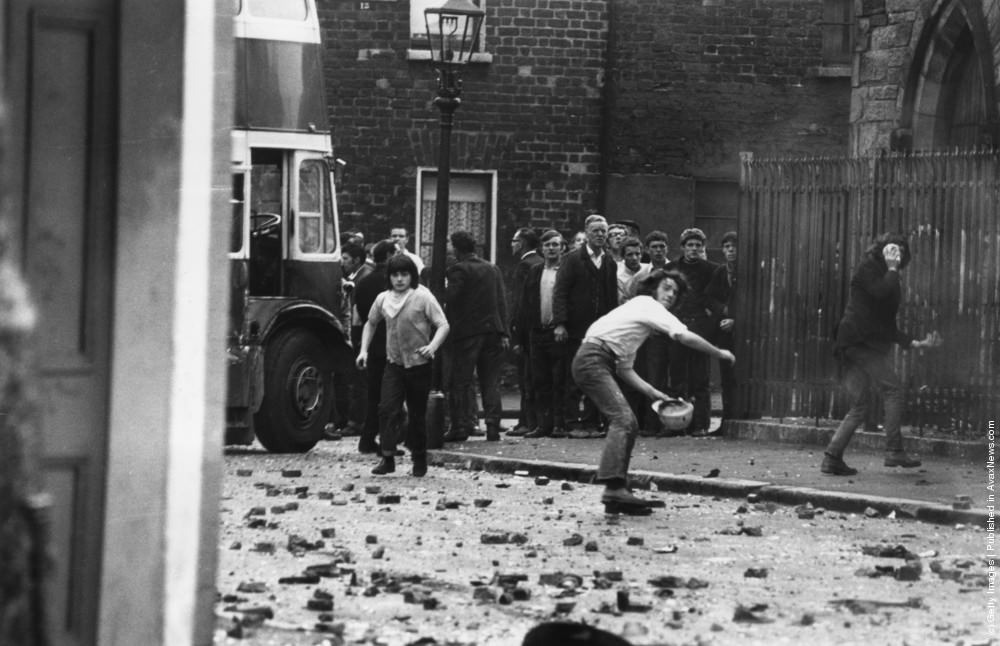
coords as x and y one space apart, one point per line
315 550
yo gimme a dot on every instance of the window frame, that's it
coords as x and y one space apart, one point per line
489 180
419 49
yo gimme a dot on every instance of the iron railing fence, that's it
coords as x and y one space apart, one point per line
804 225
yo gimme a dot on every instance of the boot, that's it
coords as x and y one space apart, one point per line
419 465
387 465
901 459
835 466
492 433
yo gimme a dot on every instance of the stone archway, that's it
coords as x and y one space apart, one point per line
949 100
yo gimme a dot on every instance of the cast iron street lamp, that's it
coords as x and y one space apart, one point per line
452 31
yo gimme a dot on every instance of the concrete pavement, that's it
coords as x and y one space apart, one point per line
782 467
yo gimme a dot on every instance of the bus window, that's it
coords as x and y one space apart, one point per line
315 215
280 9
237 202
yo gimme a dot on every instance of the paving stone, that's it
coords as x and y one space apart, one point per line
320 605
300 579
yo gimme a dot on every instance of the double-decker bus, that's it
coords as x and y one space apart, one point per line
285 341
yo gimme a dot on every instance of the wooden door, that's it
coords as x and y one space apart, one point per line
61 89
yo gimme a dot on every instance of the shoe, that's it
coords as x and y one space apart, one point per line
419 466
366 447
652 503
351 429
456 435
331 434
519 431
704 432
901 459
835 466
585 434
558 432
628 498
492 433
538 432
476 432
386 465
627 509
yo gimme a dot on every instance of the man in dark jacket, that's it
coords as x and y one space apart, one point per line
476 307
351 386
524 246
865 336
548 357
586 289
365 292
690 371
723 289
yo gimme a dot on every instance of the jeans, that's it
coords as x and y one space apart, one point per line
481 354
548 378
594 372
410 386
868 372
579 408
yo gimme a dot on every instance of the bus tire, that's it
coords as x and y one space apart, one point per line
298 393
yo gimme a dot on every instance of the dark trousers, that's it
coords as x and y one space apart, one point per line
373 378
690 375
549 361
528 416
478 355
868 374
652 363
410 386
727 376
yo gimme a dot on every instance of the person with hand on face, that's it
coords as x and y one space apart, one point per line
865 336
616 236
415 329
401 237
606 357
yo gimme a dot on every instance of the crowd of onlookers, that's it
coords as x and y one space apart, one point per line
558 289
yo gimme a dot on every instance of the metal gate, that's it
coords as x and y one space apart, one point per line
804 225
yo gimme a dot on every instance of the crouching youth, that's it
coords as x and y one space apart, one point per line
607 355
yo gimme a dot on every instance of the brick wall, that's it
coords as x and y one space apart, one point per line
533 114
694 83
698 81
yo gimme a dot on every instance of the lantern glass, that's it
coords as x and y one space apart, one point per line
452 30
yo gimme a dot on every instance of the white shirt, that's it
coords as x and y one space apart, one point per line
625 275
596 255
417 260
626 327
546 288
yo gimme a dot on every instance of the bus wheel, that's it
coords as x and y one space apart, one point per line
298 393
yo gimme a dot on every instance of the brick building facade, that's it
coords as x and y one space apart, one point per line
639 108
